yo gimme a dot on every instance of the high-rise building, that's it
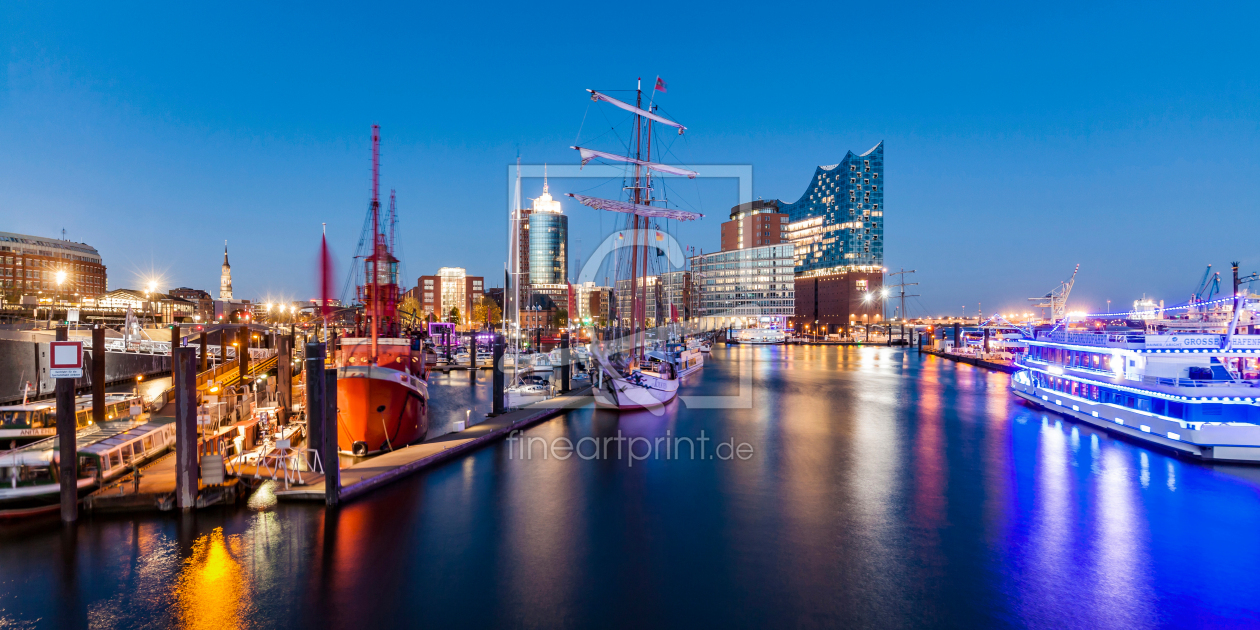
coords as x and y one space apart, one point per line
548 247
838 224
744 288
754 224
452 287
29 266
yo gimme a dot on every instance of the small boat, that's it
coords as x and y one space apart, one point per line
526 394
541 362
39 419
106 451
684 360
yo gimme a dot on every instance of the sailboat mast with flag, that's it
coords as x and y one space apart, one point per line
627 379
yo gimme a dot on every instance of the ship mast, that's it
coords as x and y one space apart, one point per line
376 236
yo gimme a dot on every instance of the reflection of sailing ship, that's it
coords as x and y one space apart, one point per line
382 397
627 379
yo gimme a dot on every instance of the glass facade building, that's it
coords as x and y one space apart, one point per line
745 287
548 248
837 226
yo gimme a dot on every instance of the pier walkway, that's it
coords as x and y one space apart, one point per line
156 490
372 473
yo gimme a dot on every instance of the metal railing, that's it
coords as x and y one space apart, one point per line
1089 338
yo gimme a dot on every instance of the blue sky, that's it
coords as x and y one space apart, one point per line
1020 141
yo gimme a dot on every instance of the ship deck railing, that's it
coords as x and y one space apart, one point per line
1103 340
1188 382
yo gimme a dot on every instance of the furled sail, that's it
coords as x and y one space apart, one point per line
634 208
596 96
589 154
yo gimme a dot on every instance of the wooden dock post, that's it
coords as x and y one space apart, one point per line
957 334
315 395
242 354
98 374
184 380
565 362
204 362
497 376
67 470
332 466
284 376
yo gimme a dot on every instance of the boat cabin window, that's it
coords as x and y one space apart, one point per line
148 442
13 417
115 459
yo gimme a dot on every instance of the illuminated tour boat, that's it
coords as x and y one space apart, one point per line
1197 393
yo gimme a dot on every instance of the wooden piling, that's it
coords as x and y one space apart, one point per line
98 374
204 364
332 466
284 376
564 362
242 354
184 382
497 394
315 395
67 469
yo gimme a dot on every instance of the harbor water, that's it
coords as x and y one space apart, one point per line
863 487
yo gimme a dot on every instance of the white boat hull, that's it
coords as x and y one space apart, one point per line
650 392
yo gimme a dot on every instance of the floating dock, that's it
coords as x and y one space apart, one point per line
377 471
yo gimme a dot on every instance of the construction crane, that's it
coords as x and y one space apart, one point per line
1056 300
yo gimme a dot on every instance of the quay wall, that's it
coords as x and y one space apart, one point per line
22 361
989 365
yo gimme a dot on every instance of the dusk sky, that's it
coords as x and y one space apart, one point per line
1020 140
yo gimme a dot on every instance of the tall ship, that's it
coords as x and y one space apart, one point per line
627 377
1190 384
382 394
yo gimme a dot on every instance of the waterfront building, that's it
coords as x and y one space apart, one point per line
538 316
668 297
592 302
202 302
836 302
29 266
838 223
744 288
836 229
451 288
754 224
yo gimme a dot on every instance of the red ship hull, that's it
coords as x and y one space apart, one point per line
379 409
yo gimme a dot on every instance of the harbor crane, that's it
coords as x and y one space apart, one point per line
1208 287
1056 300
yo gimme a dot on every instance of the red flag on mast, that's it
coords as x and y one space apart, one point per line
660 84
325 276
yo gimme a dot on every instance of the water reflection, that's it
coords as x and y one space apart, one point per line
211 591
887 490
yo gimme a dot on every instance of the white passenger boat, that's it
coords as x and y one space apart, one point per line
1197 394
759 336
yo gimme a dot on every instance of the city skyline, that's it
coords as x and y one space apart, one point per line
1022 142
